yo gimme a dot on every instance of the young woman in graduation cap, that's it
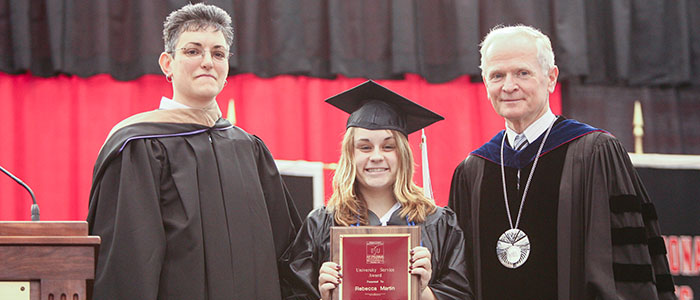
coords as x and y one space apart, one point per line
373 185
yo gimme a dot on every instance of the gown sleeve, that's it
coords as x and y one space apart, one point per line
463 193
284 218
449 277
304 257
460 199
125 212
625 250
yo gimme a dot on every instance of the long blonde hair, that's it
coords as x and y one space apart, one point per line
348 205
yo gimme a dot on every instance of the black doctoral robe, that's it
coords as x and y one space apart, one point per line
188 207
439 233
607 239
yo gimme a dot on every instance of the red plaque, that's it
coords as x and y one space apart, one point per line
375 262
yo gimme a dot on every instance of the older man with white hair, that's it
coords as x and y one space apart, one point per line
552 208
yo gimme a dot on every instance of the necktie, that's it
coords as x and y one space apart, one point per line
519 142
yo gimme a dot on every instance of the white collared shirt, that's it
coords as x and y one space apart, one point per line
385 218
535 129
167 103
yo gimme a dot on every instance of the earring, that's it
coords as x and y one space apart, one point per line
225 82
169 78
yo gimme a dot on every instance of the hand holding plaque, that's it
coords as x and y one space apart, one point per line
420 265
375 262
329 277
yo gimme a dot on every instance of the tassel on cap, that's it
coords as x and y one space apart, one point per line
425 168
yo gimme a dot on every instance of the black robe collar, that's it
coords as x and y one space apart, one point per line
116 142
394 220
397 220
564 131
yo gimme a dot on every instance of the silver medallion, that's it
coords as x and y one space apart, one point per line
513 248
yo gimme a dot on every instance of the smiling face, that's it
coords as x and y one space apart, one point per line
197 79
375 158
516 83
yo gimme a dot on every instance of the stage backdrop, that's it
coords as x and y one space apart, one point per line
51 129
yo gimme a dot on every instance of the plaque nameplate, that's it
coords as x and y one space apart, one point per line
375 261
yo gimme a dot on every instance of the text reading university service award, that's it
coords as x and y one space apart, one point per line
374 261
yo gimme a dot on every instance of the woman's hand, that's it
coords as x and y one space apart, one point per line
420 265
329 277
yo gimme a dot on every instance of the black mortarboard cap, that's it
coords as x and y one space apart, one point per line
372 106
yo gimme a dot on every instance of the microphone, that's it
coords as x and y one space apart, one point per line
35 207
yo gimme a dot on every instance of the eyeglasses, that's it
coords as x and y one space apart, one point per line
197 52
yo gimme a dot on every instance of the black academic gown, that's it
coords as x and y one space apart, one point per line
607 239
188 211
439 233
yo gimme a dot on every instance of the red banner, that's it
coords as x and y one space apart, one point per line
52 128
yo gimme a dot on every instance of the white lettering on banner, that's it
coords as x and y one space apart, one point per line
683 254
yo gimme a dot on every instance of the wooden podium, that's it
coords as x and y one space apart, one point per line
56 259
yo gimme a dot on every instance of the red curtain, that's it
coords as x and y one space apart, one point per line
51 129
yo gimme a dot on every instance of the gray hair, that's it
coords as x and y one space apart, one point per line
193 17
545 55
